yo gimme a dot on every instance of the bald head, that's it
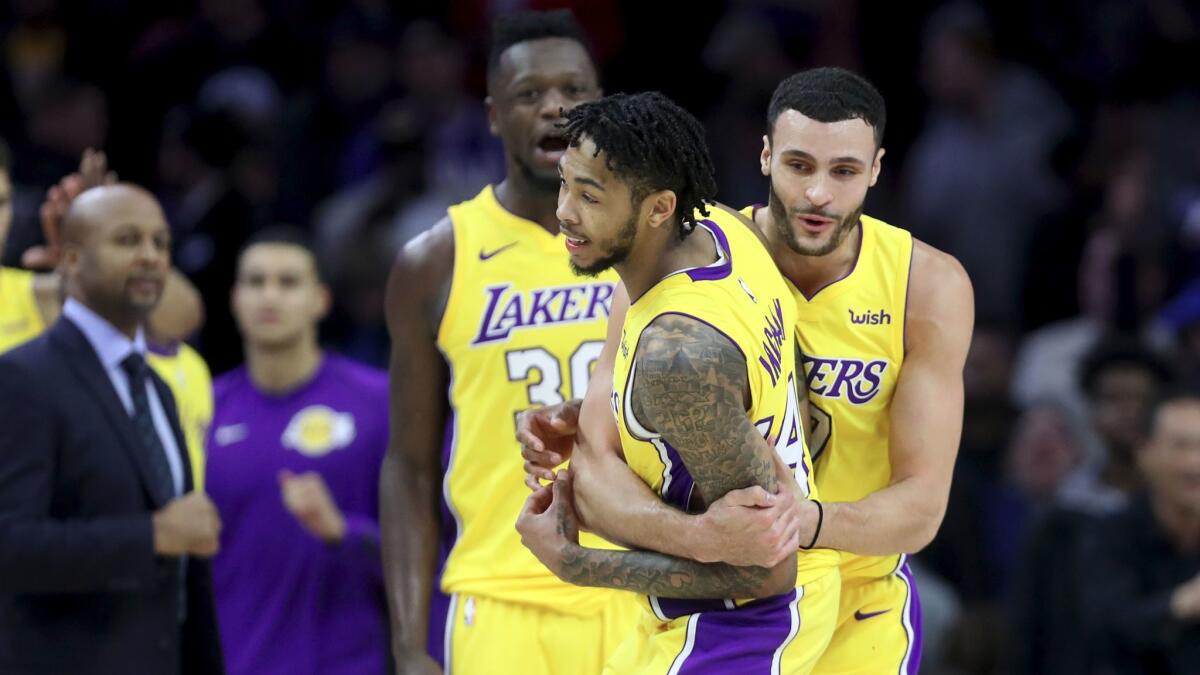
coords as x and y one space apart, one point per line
116 252
106 205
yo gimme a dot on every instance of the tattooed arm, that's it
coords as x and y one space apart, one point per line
691 387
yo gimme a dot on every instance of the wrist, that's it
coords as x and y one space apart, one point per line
696 545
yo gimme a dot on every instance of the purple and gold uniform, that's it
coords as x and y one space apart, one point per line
287 602
851 335
743 296
520 330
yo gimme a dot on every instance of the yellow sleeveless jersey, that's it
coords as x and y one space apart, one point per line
20 318
520 330
743 296
186 373
851 334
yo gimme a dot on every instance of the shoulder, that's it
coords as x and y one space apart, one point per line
939 292
684 345
358 376
226 383
420 275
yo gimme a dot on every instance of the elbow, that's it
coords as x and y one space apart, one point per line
925 527
782 579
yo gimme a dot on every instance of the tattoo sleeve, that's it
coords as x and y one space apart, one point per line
690 385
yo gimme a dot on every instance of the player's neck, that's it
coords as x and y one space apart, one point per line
278 369
1181 523
666 254
525 199
811 273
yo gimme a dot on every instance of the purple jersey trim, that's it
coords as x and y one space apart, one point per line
439 602
912 620
714 272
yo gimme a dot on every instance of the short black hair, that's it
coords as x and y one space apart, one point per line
1121 353
512 29
651 144
829 95
288 235
1170 395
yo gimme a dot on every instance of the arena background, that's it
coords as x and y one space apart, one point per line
1054 148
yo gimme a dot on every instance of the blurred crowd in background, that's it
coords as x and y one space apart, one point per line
1053 148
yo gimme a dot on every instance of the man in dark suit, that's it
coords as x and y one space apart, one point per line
103 543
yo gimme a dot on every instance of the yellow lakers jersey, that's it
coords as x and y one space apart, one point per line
851 334
520 330
186 373
20 318
743 296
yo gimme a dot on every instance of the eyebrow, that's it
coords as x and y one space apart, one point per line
584 181
847 159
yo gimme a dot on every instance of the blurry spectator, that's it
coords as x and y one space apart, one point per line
294 452
328 129
210 218
1121 381
979 178
1144 583
462 154
360 229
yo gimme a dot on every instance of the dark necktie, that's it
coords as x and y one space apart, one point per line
162 485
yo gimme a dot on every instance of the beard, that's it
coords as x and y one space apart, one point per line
616 254
782 217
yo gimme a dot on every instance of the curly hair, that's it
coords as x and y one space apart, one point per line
652 144
829 95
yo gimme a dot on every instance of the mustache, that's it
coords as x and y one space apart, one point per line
812 211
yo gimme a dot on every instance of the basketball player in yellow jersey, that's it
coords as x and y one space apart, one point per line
704 392
487 320
885 323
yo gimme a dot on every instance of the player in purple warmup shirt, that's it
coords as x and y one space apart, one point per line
293 462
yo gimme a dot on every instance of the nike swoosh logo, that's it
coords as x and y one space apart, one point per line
486 256
230 434
863 616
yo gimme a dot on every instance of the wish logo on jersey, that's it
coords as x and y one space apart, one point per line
855 380
319 430
509 310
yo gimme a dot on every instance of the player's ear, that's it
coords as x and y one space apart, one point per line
764 160
661 207
324 302
877 165
490 105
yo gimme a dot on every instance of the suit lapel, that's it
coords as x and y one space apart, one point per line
86 365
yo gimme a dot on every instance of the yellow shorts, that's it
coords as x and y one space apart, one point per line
878 628
782 636
489 636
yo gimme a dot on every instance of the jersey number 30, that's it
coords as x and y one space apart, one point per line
548 390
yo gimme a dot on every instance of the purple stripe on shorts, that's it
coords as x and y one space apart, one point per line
914 620
720 271
742 640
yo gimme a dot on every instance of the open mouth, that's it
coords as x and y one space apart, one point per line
816 224
573 242
551 147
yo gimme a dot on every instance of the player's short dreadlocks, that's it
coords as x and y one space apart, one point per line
829 95
513 29
651 144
